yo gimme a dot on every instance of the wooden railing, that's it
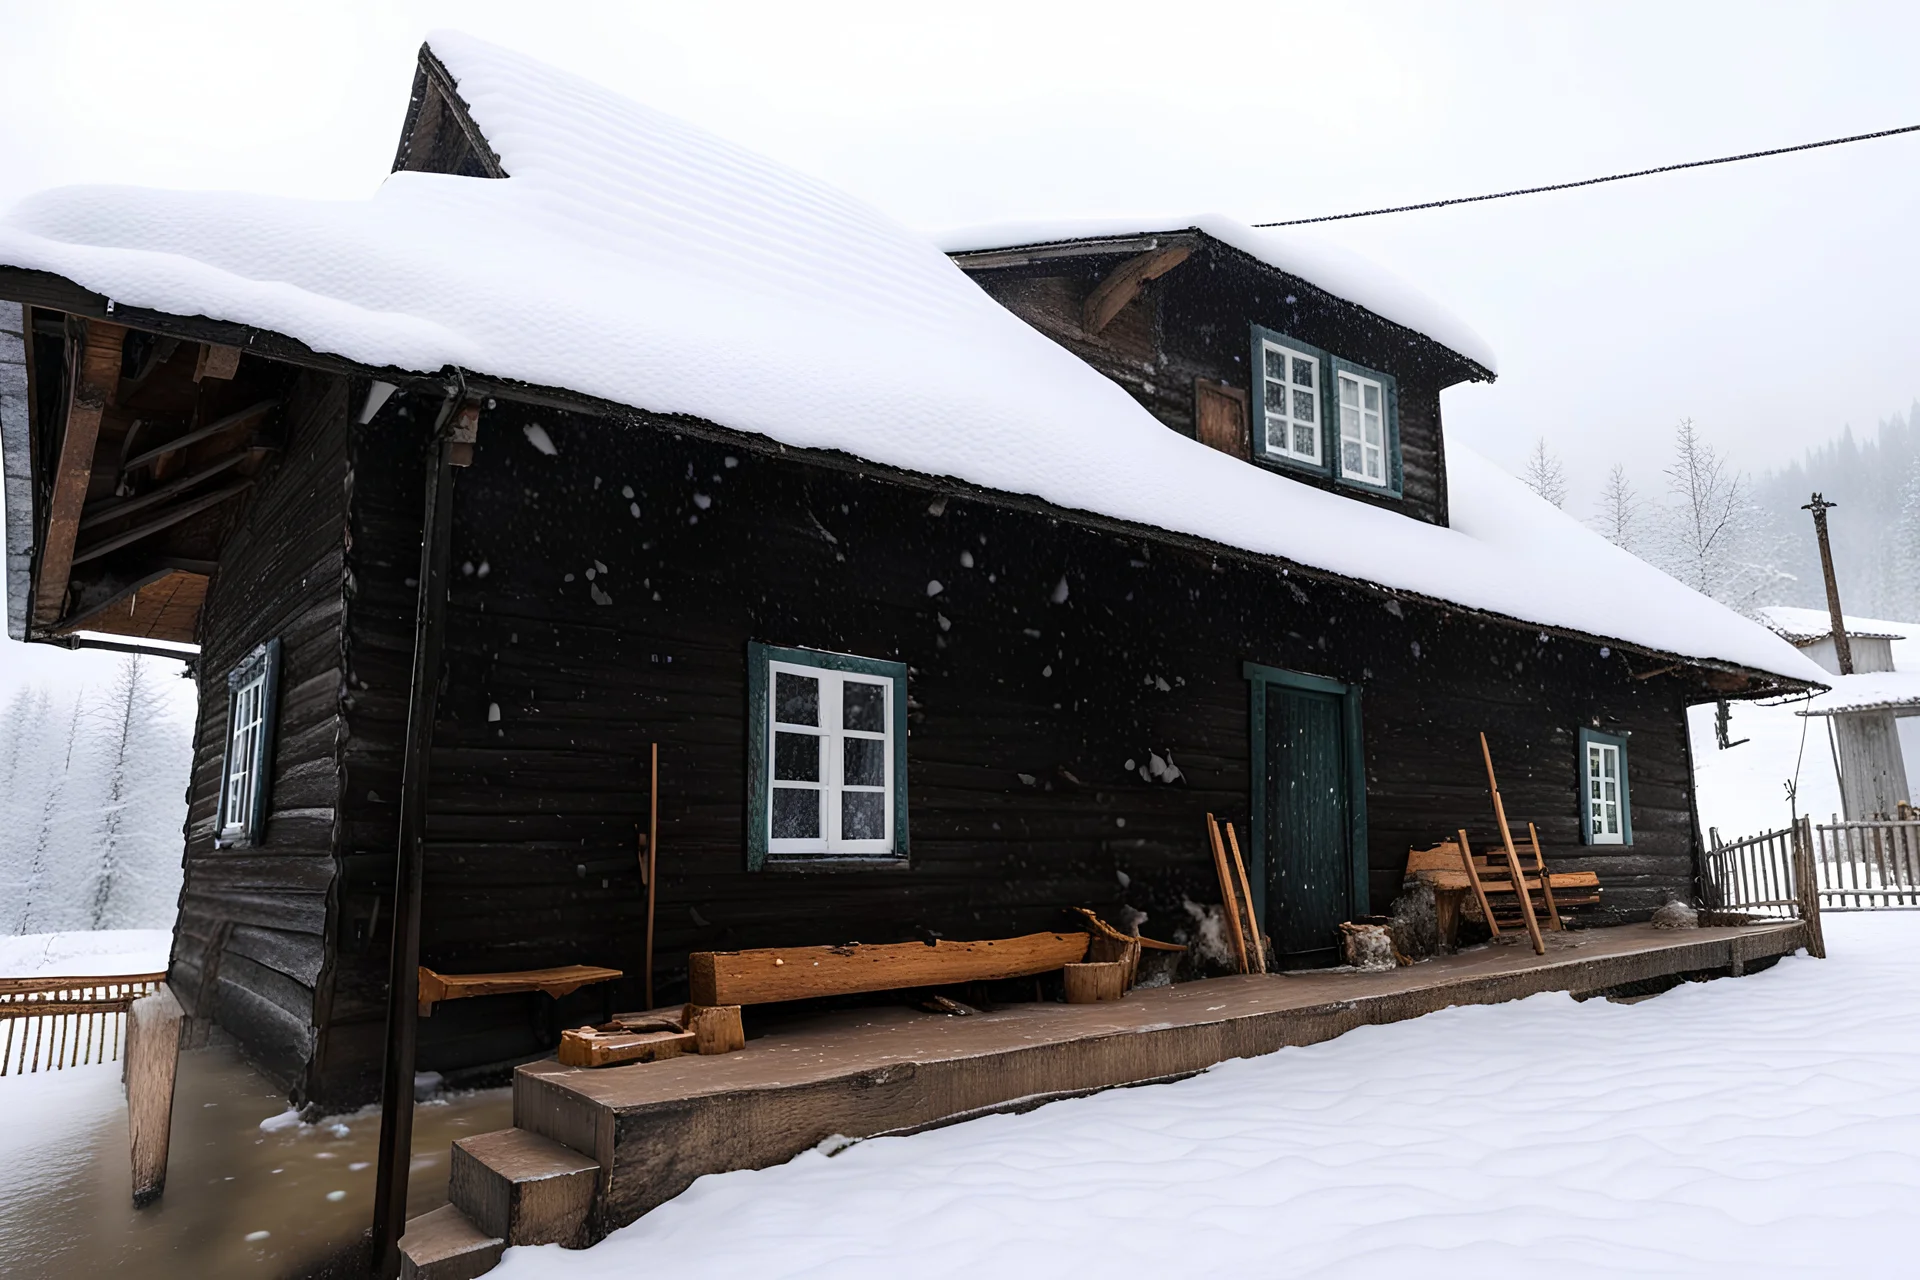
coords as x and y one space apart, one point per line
50 1023
1868 865
1771 875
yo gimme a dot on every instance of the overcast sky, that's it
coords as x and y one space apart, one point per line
1773 302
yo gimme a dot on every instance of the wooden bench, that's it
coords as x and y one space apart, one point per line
561 981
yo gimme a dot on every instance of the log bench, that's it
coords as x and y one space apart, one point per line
557 982
1444 867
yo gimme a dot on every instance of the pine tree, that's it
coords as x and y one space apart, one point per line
1544 474
134 832
1713 537
1622 511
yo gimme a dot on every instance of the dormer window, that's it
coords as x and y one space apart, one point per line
1317 412
1291 403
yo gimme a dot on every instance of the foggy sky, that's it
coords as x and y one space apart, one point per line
1772 302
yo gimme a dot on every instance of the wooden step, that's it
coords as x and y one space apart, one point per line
523 1188
445 1245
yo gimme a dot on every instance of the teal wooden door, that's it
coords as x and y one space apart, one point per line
1309 824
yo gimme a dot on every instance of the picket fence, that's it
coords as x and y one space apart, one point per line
50 1023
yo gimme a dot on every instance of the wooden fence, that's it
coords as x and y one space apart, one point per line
1771 875
1868 865
50 1023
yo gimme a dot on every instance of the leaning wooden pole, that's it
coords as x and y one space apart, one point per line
1246 901
652 856
451 432
1513 856
1227 895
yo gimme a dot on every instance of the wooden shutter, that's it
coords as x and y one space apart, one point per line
1220 417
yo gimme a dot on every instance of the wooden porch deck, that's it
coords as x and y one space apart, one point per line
652 1129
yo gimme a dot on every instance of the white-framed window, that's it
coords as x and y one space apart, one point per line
830 736
1290 402
1363 427
251 689
1606 810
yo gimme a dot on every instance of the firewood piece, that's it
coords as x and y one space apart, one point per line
592 1047
1092 983
716 1028
216 361
798 973
1227 903
1246 902
942 1004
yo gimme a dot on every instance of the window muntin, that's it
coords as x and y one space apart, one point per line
1291 403
244 769
832 756
1606 799
1363 428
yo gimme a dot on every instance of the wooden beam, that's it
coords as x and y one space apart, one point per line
96 378
198 434
166 519
216 361
1111 295
565 980
799 973
103 513
153 1054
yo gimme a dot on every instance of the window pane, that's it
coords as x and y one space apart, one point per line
1349 391
1349 421
863 707
1276 435
1303 371
1305 442
1370 397
1350 456
1276 364
1370 428
1276 397
796 757
1303 406
796 814
863 815
796 699
865 762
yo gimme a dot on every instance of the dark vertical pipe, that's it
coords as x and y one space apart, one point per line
1842 647
403 975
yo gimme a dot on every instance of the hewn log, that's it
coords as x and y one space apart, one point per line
96 379
1111 295
799 973
153 1052
225 423
557 982
165 520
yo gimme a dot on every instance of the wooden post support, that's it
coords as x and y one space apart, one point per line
1806 883
95 382
1246 902
153 1054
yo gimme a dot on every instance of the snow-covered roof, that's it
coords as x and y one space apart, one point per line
634 258
1802 626
1871 691
1332 267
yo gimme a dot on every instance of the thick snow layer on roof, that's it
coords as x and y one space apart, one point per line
1332 267
1811 624
635 258
1868 691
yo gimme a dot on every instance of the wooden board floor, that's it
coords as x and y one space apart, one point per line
857 1073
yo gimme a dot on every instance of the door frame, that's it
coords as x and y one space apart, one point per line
1259 678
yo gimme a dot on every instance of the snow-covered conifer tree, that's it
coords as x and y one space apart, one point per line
1544 474
1622 511
133 842
1713 537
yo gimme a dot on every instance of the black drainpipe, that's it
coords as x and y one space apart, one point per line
454 432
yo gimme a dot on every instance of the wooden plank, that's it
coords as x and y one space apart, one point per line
24 986
771 974
1513 858
153 1053
101 513
1227 896
1246 901
1220 417
590 1047
556 982
96 379
1123 284
227 422
165 520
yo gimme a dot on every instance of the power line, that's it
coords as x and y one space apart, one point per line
1594 182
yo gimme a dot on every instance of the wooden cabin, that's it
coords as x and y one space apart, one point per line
991 652
1871 715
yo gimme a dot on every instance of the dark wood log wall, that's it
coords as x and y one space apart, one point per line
1195 322
1024 713
250 944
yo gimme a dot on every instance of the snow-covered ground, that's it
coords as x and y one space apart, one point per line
1763 1127
84 955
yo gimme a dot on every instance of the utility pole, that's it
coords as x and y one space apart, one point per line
1844 651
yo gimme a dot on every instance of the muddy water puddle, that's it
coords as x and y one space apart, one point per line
240 1201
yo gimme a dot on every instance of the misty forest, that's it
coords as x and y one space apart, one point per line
92 799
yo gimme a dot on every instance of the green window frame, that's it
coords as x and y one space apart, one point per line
1331 373
826 758
1600 824
246 762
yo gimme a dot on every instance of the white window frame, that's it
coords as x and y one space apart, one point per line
832 735
251 689
1376 469
1605 815
1286 420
